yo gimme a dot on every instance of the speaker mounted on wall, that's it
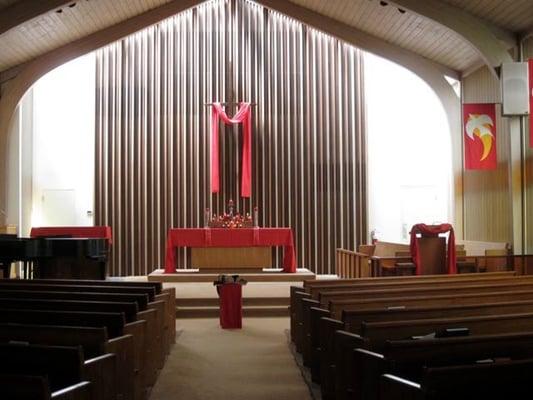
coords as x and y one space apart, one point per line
514 80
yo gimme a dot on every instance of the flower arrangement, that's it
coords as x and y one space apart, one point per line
222 279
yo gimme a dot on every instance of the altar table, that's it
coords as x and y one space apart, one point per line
238 237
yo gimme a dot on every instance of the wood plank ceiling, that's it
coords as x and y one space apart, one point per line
405 29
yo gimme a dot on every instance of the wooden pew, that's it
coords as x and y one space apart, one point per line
63 366
100 366
407 358
152 350
131 369
161 294
312 288
29 387
495 380
352 320
340 301
375 335
326 347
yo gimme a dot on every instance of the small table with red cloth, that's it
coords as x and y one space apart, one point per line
238 237
230 297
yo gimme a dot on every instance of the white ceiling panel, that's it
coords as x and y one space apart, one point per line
53 30
406 30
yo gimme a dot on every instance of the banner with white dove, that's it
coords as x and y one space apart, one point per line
479 123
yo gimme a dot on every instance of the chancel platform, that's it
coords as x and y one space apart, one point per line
266 275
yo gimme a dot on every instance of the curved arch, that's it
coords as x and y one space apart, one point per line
38 67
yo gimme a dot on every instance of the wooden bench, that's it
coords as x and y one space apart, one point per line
62 366
297 293
161 294
155 344
129 353
30 387
343 300
407 358
376 334
495 380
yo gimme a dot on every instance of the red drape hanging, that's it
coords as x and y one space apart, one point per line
433 230
243 116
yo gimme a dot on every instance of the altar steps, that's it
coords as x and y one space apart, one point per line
251 311
252 307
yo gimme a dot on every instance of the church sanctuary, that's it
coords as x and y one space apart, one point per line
266 199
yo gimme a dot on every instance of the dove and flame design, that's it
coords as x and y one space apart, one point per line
480 136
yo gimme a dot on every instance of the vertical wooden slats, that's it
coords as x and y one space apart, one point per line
153 132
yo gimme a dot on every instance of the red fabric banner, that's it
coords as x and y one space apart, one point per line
230 305
479 124
243 115
221 237
531 103
96 232
433 230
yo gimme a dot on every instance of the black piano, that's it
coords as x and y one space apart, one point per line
55 257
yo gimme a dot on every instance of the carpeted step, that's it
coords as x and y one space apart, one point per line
247 301
248 311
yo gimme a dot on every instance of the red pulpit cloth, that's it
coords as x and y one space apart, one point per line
433 230
220 237
98 232
243 115
230 305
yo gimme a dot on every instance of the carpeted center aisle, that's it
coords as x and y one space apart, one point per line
254 363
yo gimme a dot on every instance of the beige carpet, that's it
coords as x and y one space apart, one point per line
254 363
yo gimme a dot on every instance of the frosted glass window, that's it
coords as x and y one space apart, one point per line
409 151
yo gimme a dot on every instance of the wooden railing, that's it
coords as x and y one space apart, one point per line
352 264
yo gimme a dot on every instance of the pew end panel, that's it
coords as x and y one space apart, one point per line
307 347
123 348
316 315
395 388
101 371
327 329
344 345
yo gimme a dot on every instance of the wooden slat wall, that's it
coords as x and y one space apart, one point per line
487 201
528 53
152 147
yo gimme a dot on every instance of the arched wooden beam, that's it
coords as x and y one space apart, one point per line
492 43
36 68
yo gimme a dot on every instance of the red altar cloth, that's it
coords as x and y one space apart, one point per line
98 232
230 305
433 230
239 237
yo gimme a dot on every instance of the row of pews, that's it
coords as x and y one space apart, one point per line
417 337
83 340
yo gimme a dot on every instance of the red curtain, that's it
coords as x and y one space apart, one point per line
479 125
433 230
243 116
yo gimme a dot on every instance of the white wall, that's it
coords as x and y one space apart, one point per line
63 145
409 151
